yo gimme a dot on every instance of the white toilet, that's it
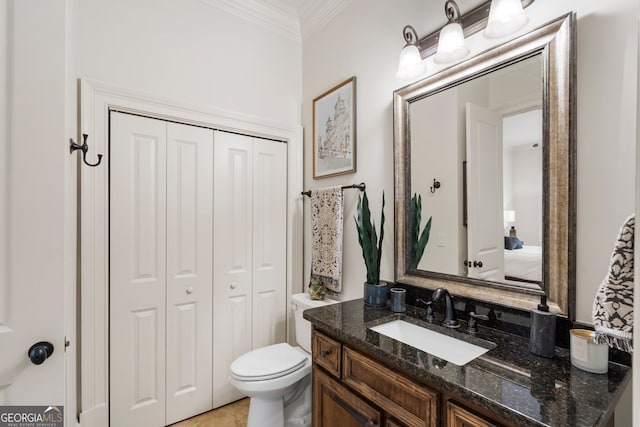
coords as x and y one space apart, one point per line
277 378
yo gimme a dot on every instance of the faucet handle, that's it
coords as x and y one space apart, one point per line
472 325
428 313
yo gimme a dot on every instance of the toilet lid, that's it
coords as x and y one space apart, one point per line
268 362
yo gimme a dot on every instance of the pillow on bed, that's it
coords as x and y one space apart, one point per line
512 243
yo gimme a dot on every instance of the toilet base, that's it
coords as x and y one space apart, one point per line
292 410
265 412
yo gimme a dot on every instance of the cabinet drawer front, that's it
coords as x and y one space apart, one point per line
410 403
458 416
326 353
334 405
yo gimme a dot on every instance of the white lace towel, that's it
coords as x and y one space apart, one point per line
613 305
326 238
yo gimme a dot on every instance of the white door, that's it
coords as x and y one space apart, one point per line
34 238
161 273
189 270
232 258
269 242
249 251
138 238
31 304
484 194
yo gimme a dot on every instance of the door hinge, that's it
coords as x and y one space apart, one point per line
67 343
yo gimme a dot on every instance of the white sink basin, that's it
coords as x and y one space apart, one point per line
439 345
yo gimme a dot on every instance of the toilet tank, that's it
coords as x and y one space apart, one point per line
299 303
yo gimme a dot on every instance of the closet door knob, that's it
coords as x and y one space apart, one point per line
233 285
39 352
477 264
190 290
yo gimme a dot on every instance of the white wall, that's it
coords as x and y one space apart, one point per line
192 52
636 310
527 194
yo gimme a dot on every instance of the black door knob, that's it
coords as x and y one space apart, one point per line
40 351
477 264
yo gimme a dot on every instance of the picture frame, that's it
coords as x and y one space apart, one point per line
334 131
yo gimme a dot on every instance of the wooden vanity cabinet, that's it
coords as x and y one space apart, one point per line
351 389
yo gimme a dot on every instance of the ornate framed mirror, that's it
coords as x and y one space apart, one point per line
489 147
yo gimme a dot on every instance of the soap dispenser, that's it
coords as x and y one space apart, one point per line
542 338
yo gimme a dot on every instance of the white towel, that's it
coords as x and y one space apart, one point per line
613 305
326 238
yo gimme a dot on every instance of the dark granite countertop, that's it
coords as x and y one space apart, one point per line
508 380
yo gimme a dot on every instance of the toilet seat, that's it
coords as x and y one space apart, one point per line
267 363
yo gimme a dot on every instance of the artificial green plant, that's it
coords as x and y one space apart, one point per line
418 240
368 239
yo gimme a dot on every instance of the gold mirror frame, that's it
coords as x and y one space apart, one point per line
555 42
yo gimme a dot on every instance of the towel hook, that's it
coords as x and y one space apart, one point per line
436 185
84 147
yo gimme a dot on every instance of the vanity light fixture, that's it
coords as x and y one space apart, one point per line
505 18
499 17
410 66
451 44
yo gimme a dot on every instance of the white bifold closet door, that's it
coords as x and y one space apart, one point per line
249 251
161 243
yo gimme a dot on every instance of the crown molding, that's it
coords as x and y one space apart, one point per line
269 14
282 19
315 14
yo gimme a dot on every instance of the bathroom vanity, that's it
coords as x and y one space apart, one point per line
364 378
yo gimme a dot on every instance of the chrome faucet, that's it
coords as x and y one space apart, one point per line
450 320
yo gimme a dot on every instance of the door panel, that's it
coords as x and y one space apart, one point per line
138 270
232 258
189 270
484 182
37 201
269 242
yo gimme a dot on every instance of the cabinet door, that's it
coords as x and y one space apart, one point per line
408 402
334 405
458 416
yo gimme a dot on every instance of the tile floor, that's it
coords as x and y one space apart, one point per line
232 415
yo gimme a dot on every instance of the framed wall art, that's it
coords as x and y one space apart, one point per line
334 131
